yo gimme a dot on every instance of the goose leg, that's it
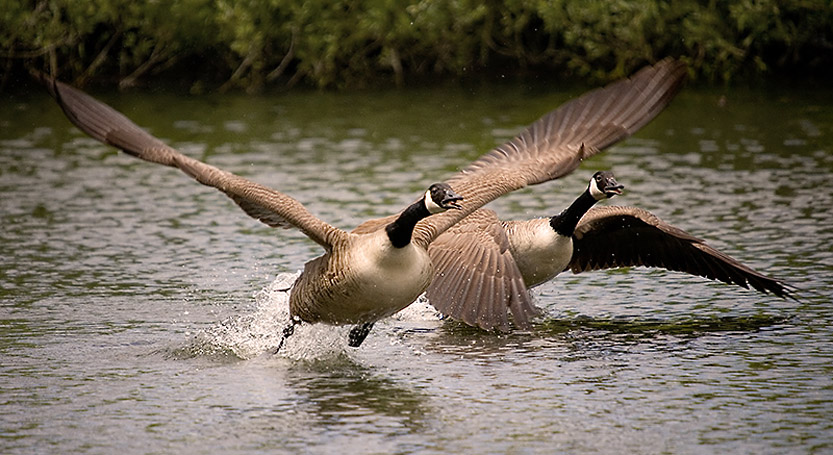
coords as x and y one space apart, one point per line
358 334
287 332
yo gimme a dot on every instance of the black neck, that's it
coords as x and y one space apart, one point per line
565 222
400 231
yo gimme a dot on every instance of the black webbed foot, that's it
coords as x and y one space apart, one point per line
287 332
358 334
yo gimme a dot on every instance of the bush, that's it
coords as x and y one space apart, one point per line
350 43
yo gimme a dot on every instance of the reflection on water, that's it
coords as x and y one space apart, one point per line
639 327
140 310
341 393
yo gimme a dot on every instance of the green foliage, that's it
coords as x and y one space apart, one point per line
349 43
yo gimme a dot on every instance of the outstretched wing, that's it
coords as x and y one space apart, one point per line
615 236
109 126
475 277
556 144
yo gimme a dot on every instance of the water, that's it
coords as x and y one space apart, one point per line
139 309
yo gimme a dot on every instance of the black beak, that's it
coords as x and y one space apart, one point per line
613 188
451 199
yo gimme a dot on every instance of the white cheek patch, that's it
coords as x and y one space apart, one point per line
431 205
595 191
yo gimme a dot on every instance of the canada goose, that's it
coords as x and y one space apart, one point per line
374 271
539 249
359 279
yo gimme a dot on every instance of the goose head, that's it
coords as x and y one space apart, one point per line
603 185
440 197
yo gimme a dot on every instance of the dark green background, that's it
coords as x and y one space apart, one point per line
226 44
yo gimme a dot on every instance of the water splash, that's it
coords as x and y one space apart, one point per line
258 333
250 335
418 311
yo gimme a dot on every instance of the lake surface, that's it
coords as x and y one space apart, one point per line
139 309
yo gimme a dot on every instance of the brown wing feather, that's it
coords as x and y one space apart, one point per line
556 144
476 279
374 224
111 127
614 236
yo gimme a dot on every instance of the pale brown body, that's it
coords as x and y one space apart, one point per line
365 282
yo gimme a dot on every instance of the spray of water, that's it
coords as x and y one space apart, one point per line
258 333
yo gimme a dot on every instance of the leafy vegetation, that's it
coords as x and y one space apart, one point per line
348 43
